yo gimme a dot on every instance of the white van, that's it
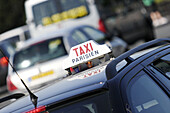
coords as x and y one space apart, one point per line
45 16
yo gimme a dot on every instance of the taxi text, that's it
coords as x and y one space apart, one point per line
84 52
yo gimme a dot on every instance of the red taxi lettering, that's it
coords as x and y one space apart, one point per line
91 46
83 49
89 74
75 49
86 46
95 72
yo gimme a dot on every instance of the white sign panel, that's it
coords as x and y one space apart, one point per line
85 52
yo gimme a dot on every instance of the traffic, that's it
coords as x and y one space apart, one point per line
87 56
107 83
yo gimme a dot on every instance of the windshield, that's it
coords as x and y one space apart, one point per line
39 52
53 11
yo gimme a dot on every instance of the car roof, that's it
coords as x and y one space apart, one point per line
59 33
111 68
76 84
41 38
13 32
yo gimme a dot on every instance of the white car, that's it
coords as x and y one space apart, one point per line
16 36
39 62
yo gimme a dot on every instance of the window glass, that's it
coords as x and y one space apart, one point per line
163 65
53 11
147 97
95 34
39 52
78 37
96 104
13 41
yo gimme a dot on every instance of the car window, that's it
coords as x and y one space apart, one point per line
96 104
13 41
145 96
6 48
39 52
163 65
77 38
96 35
53 11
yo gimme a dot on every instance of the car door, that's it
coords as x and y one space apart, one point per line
148 90
161 69
144 95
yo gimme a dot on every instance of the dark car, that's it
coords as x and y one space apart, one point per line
135 82
5 51
131 21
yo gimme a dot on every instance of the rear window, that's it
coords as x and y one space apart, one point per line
96 35
95 104
53 11
39 52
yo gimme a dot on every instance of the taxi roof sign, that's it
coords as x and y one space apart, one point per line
84 52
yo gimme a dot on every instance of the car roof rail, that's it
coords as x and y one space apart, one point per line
111 67
13 96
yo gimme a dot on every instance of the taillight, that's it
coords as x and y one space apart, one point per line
10 85
3 61
37 110
102 26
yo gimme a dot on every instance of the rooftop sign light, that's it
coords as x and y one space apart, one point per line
85 52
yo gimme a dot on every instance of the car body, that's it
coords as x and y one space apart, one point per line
16 36
137 81
38 70
5 53
108 16
60 14
130 29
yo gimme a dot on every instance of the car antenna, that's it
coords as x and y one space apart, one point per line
33 97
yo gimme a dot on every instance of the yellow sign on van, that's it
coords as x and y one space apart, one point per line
70 14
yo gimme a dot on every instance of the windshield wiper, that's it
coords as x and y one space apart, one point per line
33 97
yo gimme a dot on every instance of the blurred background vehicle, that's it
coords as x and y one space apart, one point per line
39 61
7 51
51 15
84 33
16 36
106 15
131 21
